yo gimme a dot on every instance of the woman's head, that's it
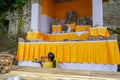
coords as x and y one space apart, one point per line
51 56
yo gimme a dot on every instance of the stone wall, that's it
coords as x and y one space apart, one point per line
20 20
111 12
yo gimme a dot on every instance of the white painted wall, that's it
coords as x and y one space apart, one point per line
46 23
39 22
35 17
75 66
97 12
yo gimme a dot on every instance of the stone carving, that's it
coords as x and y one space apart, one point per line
56 22
36 1
71 17
84 21
65 28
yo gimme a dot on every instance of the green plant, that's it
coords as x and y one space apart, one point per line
7 41
20 24
10 5
2 30
19 3
116 31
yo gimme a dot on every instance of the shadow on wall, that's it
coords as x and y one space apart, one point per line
118 68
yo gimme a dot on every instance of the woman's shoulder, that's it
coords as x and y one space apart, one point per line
48 64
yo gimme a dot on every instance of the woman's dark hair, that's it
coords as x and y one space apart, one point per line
51 57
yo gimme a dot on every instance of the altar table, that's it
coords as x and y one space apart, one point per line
98 52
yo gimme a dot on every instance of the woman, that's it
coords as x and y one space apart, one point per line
51 63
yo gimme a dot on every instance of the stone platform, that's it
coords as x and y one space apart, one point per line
31 73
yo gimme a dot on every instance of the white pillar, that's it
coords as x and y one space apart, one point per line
97 12
35 15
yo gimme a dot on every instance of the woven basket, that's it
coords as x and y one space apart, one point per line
5 62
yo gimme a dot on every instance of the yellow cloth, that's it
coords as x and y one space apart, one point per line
69 36
56 28
100 31
49 64
83 37
94 32
35 36
99 52
82 28
72 26
20 52
55 37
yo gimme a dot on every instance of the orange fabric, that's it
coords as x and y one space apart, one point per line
20 52
32 49
69 36
99 52
73 52
59 52
55 37
80 52
103 32
56 28
35 36
94 32
66 51
27 51
81 28
113 58
72 26
52 9
49 8
36 52
42 50
82 7
85 52
83 37
99 31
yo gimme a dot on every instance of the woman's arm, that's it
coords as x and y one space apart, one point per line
42 60
41 64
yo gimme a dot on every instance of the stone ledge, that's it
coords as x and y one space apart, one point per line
36 1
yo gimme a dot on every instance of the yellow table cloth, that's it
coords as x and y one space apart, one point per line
99 31
55 37
82 28
99 52
35 36
72 26
56 28
68 36
83 37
